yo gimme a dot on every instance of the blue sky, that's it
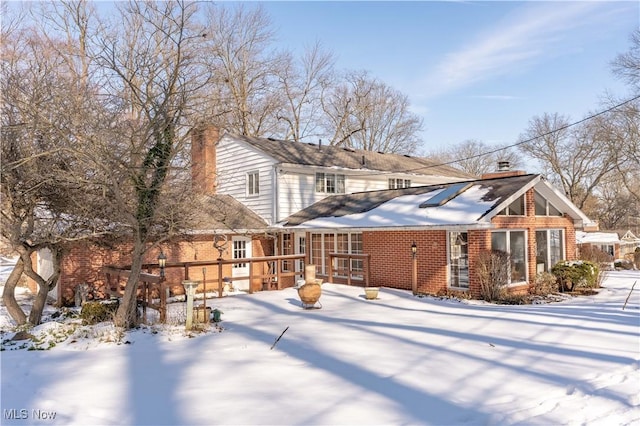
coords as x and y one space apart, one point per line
473 70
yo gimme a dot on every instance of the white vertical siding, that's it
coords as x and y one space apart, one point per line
233 161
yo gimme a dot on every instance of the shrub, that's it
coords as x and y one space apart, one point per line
95 312
623 264
595 255
545 283
573 274
636 257
492 271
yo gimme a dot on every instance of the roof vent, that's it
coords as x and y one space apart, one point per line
504 166
319 144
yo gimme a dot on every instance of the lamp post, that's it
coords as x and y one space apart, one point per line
162 262
414 272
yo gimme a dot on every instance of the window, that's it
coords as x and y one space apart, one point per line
399 183
550 248
512 242
448 193
544 207
239 252
514 209
458 260
253 183
286 249
607 248
323 244
330 183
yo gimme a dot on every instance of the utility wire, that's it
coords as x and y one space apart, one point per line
575 123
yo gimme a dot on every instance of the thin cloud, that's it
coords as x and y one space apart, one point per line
497 97
532 34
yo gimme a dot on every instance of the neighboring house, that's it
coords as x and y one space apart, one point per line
276 178
607 242
450 224
618 244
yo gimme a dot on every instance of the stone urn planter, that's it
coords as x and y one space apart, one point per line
310 294
371 293
311 290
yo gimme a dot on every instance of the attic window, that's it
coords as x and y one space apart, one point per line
514 209
544 207
447 194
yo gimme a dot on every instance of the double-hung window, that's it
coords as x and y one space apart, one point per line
253 183
330 183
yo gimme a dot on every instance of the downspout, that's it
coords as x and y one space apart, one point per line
275 216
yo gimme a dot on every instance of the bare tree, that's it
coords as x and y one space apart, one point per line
365 113
627 65
303 85
152 75
246 99
40 104
476 157
578 158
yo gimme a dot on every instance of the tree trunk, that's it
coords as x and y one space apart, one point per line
126 314
9 297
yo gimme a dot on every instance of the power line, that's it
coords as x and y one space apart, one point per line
567 126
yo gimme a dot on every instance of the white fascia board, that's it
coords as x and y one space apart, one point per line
559 200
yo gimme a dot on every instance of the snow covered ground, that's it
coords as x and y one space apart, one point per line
396 360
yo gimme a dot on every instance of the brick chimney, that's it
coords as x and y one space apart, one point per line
203 158
503 170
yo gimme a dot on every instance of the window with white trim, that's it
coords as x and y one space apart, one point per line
253 183
516 208
330 183
549 248
514 243
399 183
323 244
544 207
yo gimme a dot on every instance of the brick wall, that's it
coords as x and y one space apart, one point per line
203 159
84 262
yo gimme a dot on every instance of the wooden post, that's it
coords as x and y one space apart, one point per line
330 271
250 277
219 277
414 275
163 301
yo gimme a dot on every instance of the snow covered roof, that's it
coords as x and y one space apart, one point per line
597 237
471 204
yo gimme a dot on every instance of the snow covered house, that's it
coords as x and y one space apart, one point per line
357 215
617 244
444 228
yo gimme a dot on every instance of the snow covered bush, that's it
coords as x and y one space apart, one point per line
95 312
574 274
